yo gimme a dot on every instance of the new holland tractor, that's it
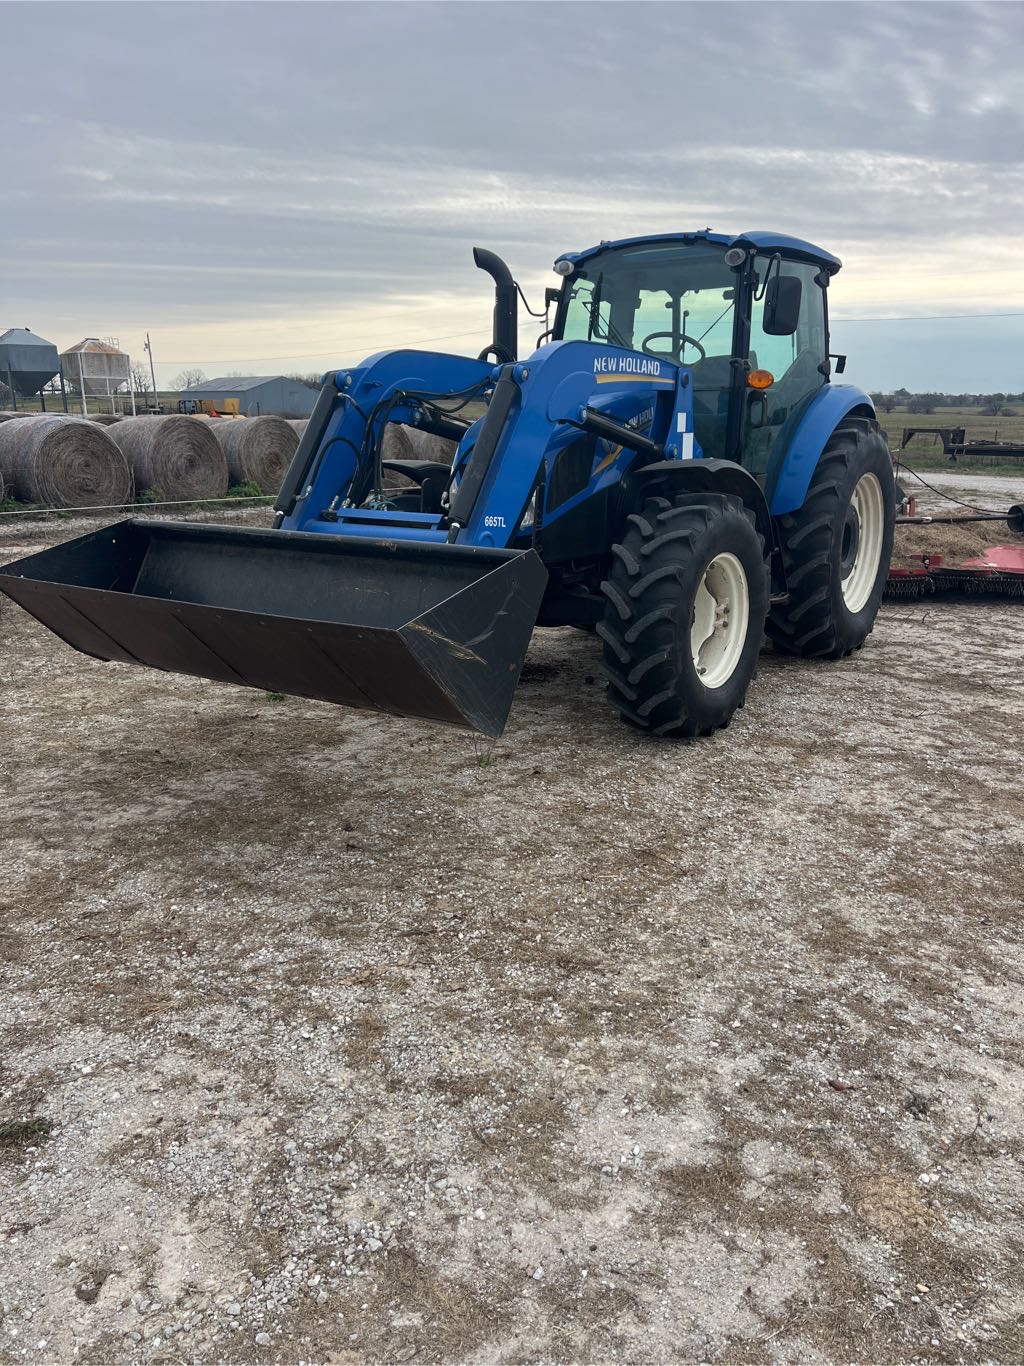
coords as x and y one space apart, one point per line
672 467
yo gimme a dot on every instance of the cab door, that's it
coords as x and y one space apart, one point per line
796 361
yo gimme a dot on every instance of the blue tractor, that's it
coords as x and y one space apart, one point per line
672 468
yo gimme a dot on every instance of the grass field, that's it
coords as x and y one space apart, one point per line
926 453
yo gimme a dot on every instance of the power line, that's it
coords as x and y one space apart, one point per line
926 317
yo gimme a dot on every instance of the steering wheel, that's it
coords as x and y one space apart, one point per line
683 340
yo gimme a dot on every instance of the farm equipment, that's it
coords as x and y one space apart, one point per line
957 447
672 467
997 571
208 407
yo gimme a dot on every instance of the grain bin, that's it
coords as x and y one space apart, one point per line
58 461
96 366
173 458
27 362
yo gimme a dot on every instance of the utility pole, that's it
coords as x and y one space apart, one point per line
81 385
152 370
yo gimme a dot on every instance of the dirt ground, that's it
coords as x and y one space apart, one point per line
331 1038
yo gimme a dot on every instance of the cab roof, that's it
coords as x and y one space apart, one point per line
759 239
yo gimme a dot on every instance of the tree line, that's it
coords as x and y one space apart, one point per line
988 405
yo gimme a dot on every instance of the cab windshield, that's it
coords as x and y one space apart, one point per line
673 300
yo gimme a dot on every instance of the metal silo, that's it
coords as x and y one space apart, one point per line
96 366
27 363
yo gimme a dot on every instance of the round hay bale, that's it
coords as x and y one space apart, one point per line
62 462
105 419
426 446
258 449
298 425
174 457
396 444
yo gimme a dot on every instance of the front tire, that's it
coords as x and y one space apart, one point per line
686 600
837 547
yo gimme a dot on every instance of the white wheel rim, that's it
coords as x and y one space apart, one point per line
868 512
721 612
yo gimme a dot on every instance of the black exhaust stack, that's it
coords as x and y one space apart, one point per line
506 323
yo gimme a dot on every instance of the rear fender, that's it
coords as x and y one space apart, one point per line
798 452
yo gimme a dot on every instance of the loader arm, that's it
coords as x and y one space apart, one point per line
638 407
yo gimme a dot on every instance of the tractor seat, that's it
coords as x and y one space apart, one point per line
418 470
713 372
431 476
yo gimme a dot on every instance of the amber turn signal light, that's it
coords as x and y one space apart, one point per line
760 379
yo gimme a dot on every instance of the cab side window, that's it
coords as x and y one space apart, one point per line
807 344
797 363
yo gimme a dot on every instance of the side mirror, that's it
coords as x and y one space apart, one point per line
551 296
782 306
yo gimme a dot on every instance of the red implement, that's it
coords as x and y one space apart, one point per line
997 570
1004 559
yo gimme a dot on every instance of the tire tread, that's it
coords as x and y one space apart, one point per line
641 625
808 623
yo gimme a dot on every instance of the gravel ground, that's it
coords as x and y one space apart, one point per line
329 1038
999 489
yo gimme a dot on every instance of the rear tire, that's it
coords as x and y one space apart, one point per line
687 597
837 547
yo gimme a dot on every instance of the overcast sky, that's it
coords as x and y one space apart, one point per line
286 187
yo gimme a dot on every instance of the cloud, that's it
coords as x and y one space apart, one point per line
315 175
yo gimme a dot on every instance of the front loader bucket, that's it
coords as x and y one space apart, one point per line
406 627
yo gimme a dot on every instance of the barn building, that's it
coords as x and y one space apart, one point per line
258 396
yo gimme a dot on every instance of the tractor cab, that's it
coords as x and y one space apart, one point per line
746 315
